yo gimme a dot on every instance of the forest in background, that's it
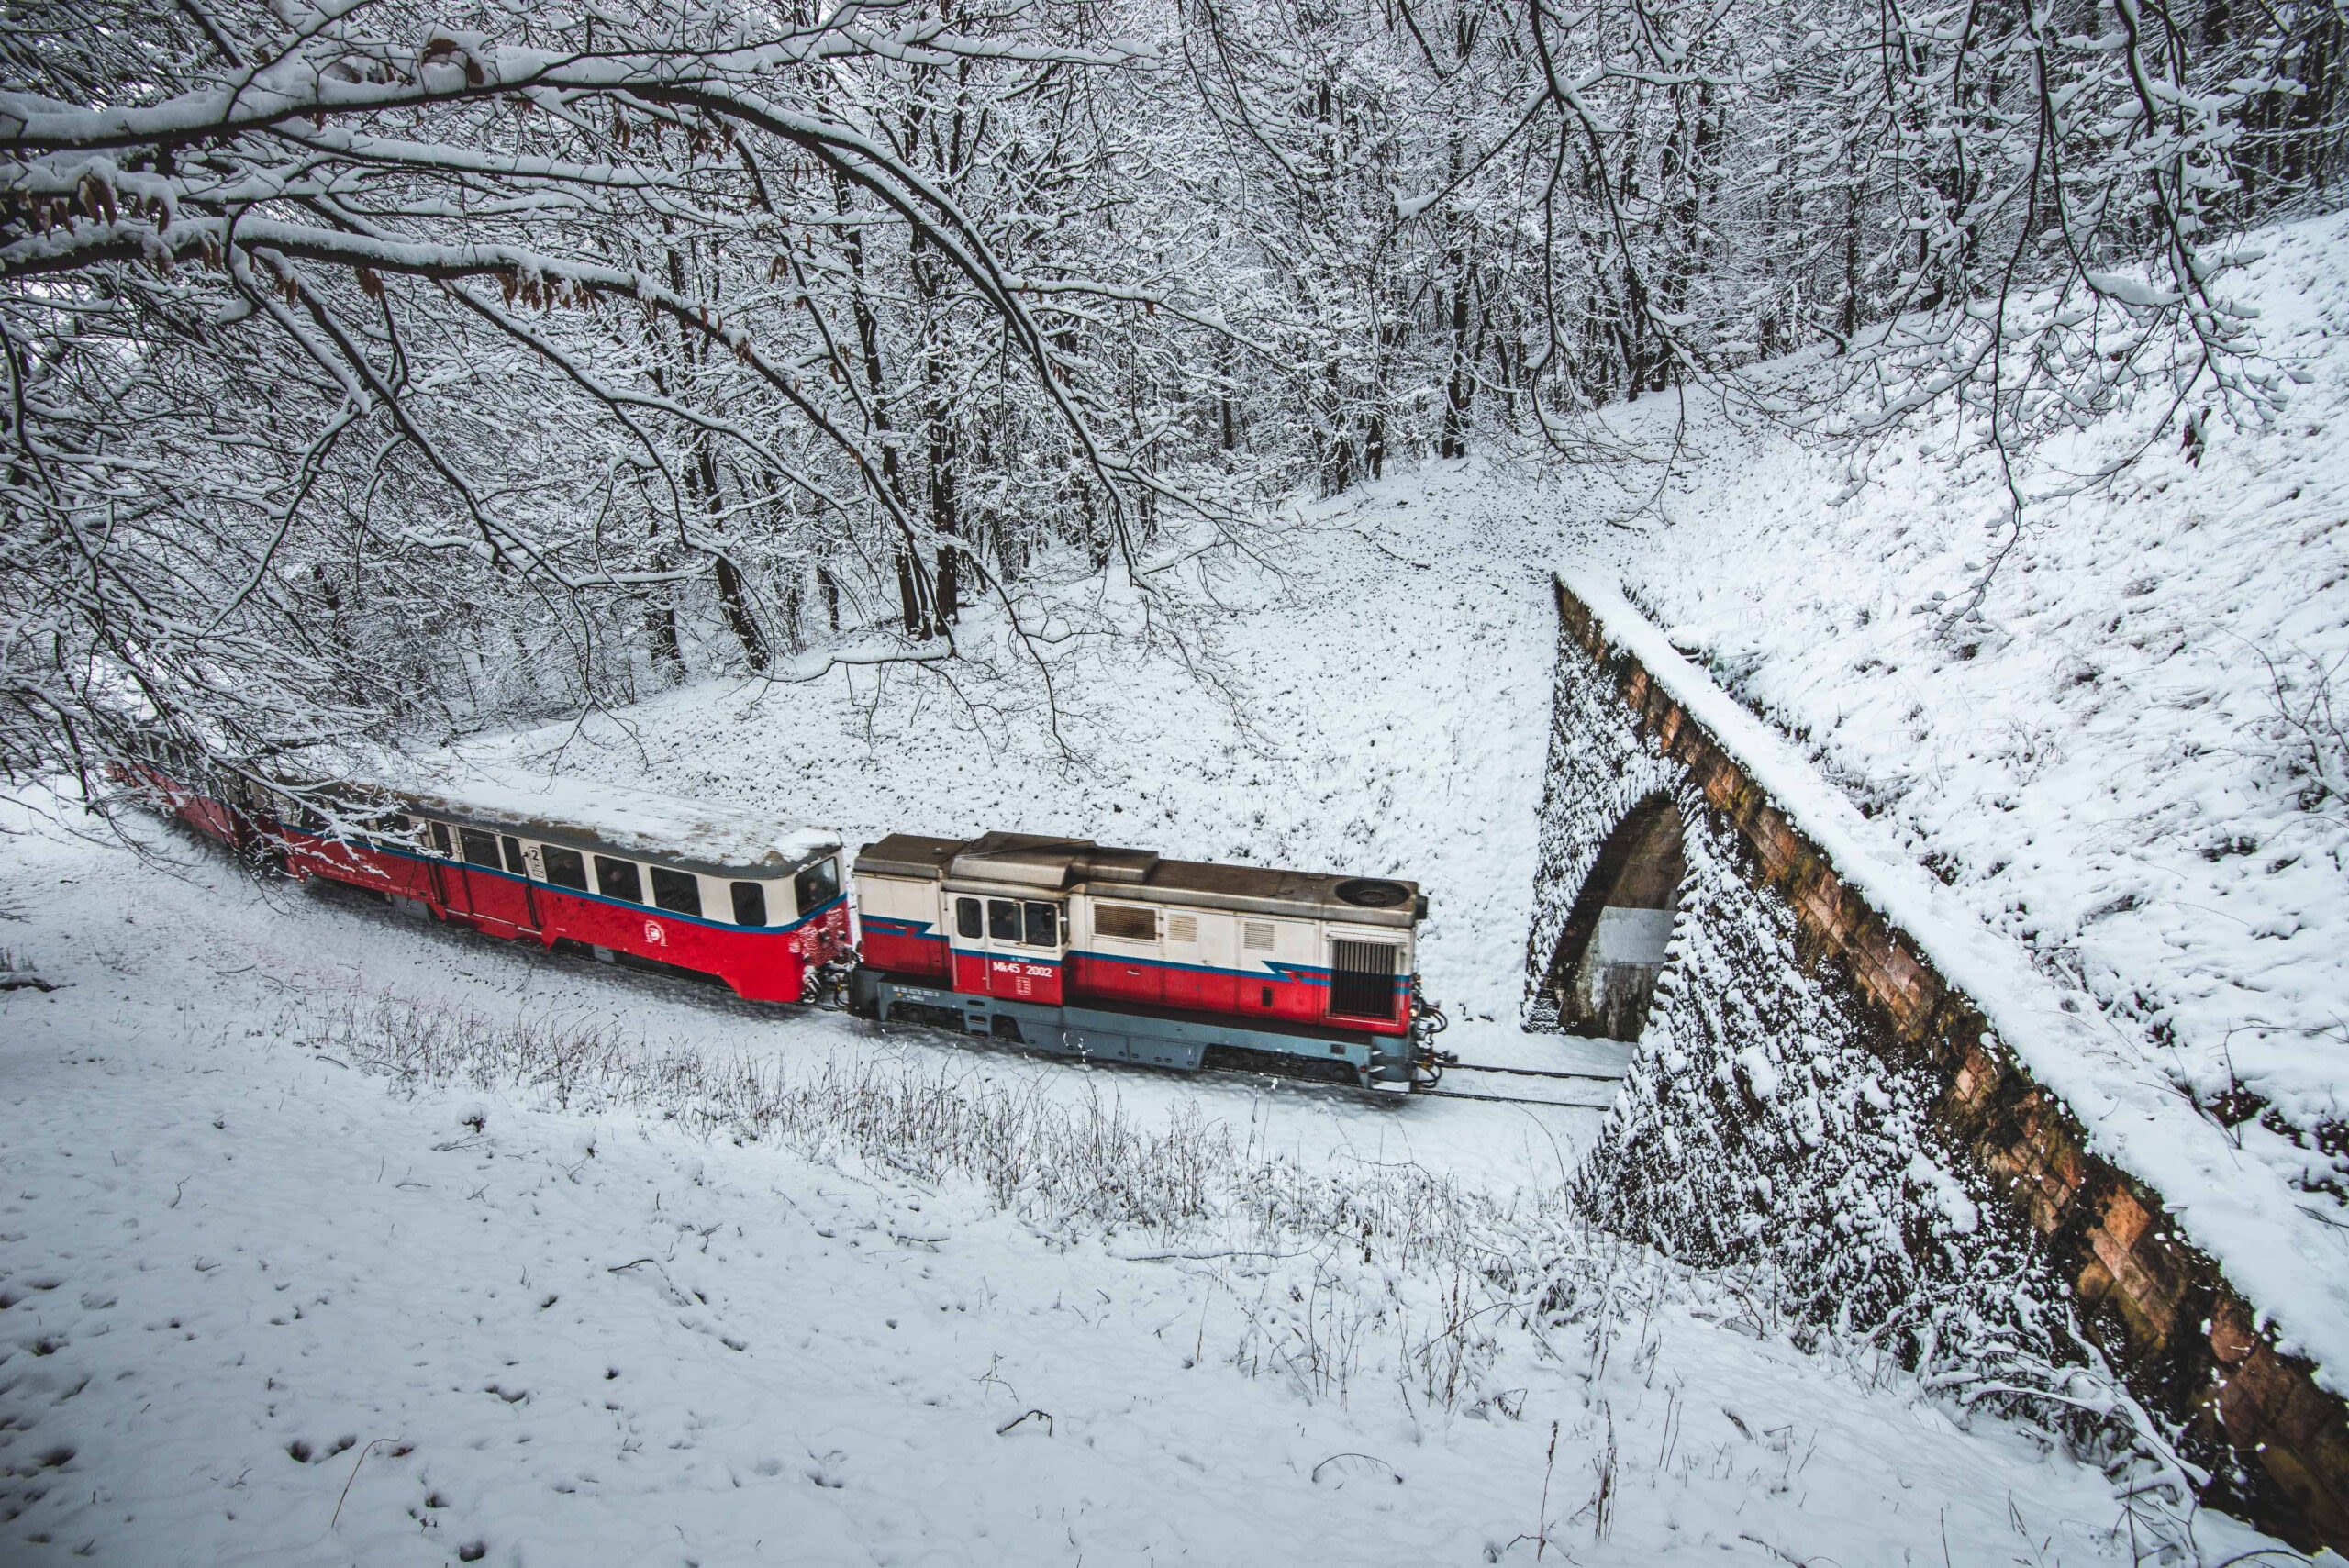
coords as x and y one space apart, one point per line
378 372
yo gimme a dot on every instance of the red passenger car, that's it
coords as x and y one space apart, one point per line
618 870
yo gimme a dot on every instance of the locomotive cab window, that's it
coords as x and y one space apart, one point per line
1003 921
679 892
1126 922
1043 921
564 867
481 849
618 879
968 921
817 885
750 904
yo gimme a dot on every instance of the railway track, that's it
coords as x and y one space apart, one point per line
1260 1071
1526 1099
1533 1073
1514 1100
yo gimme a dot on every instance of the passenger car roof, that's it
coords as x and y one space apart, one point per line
717 839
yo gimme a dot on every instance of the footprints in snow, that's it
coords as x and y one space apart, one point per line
301 1453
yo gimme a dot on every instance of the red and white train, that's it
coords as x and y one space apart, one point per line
1060 944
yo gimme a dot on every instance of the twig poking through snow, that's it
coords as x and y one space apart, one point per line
354 1476
1542 1534
1393 1473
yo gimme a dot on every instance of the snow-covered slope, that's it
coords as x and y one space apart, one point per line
260 1303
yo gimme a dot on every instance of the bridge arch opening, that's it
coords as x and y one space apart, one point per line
1611 952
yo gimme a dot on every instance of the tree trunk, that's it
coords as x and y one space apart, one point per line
661 624
1452 440
828 589
730 598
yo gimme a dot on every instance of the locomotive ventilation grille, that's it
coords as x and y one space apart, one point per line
1362 979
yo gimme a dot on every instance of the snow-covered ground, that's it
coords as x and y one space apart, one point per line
2095 767
265 1303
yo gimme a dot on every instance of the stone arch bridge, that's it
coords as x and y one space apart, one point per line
1810 1094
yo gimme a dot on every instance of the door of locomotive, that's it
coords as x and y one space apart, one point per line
1010 948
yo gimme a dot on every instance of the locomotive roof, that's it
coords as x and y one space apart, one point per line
717 839
1053 864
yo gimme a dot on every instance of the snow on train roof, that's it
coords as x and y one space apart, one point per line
634 821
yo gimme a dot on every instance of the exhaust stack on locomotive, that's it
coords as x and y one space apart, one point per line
1120 955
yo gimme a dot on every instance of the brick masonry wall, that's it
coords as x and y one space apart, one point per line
2189 1345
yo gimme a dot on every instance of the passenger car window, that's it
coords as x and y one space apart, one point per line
514 861
481 849
1126 921
967 920
441 837
679 892
1043 925
617 879
1003 921
565 868
750 904
817 885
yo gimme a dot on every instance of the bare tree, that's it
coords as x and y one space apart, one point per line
357 359
369 372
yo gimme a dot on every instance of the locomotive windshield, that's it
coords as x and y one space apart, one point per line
817 885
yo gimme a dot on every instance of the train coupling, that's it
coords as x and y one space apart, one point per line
826 984
1427 1021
